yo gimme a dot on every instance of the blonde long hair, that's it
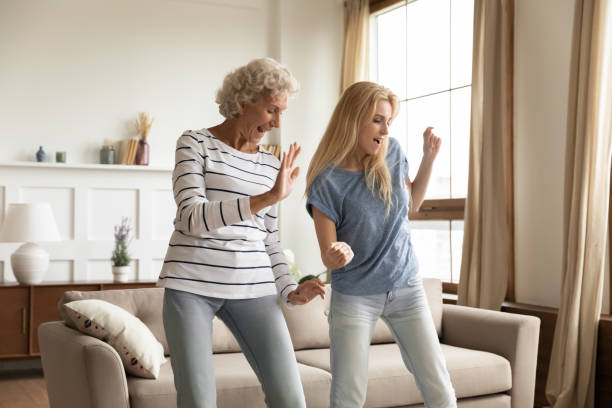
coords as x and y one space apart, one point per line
356 106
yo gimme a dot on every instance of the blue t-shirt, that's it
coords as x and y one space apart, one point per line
384 257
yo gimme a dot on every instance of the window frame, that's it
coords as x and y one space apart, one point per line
440 209
449 209
380 5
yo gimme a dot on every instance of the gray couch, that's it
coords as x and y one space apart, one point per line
491 357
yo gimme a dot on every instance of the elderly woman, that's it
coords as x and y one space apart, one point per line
224 257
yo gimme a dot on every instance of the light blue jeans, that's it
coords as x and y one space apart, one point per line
351 323
260 329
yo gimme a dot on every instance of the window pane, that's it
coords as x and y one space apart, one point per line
423 112
397 129
462 20
457 247
431 241
428 47
391 66
460 140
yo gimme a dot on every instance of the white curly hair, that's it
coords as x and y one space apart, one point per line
249 82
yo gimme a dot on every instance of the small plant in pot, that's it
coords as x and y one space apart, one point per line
121 258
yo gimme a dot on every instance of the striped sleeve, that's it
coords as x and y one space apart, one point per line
285 282
197 215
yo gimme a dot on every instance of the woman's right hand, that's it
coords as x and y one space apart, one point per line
287 174
306 291
338 254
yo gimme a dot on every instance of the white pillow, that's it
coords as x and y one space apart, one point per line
140 351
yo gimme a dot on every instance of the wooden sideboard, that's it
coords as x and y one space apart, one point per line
24 307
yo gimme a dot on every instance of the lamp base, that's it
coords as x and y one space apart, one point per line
30 263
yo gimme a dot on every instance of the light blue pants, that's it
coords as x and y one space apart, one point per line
260 329
351 323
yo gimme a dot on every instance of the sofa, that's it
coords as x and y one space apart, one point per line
491 357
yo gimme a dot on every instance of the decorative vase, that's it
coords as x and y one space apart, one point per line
142 153
40 155
60 157
107 155
121 273
30 263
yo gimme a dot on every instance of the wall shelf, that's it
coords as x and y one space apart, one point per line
83 166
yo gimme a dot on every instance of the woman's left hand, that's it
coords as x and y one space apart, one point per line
287 174
431 144
307 291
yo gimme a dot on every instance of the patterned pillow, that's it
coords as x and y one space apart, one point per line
140 351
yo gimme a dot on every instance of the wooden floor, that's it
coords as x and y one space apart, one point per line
23 390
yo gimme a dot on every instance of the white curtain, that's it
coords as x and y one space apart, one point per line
571 374
356 43
488 244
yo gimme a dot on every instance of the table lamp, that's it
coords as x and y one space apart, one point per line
29 223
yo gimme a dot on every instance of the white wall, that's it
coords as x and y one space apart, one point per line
75 73
311 45
87 202
543 39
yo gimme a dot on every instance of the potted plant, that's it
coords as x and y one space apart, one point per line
121 258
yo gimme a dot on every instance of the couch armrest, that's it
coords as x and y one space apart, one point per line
512 336
80 370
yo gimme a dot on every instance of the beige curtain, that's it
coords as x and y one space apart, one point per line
571 374
356 34
488 243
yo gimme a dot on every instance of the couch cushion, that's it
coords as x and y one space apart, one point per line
488 401
223 339
433 290
146 304
307 323
237 385
152 394
309 328
382 333
472 372
139 350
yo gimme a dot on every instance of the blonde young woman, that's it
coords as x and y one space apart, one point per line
358 193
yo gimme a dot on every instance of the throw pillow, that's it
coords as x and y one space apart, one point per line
140 351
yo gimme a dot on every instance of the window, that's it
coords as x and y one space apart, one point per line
422 51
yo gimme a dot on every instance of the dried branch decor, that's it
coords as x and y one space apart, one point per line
143 125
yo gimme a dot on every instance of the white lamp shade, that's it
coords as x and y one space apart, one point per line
30 222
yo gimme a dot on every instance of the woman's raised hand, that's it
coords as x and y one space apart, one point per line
338 254
431 143
307 291
285 179
287 174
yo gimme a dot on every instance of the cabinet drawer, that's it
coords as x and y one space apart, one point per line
14 316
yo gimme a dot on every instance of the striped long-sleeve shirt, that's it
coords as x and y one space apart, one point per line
218 248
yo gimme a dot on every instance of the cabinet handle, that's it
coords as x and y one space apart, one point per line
23 321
